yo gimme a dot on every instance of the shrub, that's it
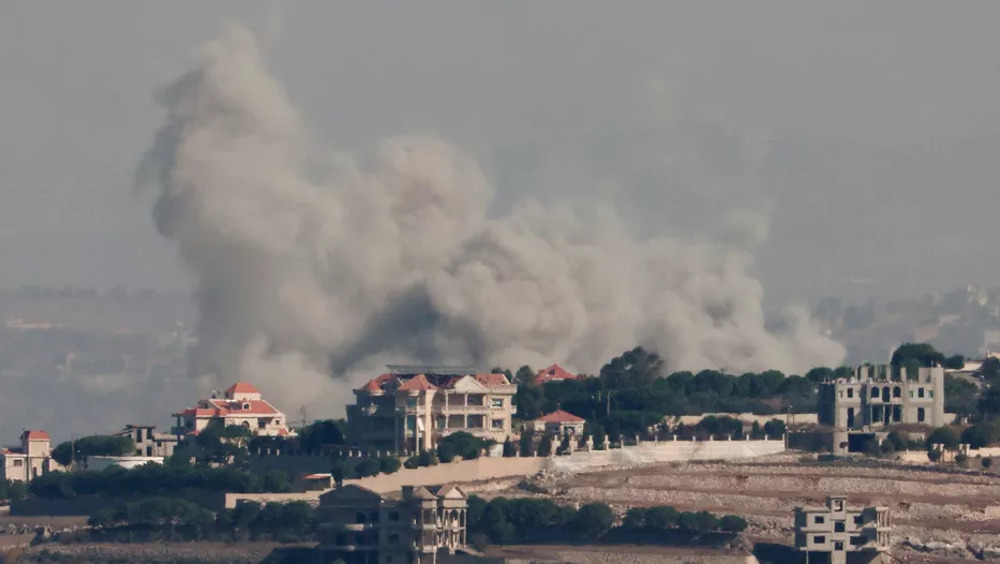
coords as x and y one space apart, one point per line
987 462
943 435
509 450
593 520
389 464
732 524
961 459
934 455
977 436
635 518
662 517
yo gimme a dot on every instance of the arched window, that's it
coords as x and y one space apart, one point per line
897 392
885 393
874 392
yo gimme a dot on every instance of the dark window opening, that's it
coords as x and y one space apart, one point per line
838 527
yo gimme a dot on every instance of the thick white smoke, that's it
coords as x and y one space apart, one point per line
311 263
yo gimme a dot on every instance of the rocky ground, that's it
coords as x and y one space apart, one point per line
938 515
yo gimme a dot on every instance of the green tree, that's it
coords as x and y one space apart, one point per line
530 400
636 368
319 434
389 464
662 517
525 375
462 444
954 362
635 518
545 446
94 445
525 442
277 481
917 354
509 449
775 429
732 524
978 436
593 520
944 436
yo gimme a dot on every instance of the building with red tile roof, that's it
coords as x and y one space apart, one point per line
554 373
242 404
559 422
410 408
32 458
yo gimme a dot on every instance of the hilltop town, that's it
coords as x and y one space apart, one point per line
508 464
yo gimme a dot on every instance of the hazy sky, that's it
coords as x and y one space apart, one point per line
868 133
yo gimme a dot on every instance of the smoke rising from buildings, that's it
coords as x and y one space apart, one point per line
310 262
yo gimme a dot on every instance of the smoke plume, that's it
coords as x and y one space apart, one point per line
310 262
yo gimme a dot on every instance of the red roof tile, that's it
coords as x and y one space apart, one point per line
236 407
560 416
35 436
242 388
375 384
552 373
492 380
418 382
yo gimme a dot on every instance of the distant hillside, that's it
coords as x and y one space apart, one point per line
965 321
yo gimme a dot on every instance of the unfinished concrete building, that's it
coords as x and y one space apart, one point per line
410 408
875 397
419 525
839 534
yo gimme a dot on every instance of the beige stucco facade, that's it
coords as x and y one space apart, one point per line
409 413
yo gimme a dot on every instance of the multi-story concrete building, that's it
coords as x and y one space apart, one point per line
879 396
29 460
415 526
411 408
837 530
242 404
149 442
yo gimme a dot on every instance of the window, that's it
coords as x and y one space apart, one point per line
838 505
394 516
18 463
261 423
858 541
911 394
819 539
393 539
497 424
496 402
920 392
246 407
819 520
411 402
897 392
920 415
858 519
930 393
874 393
838 527
838 546
850 392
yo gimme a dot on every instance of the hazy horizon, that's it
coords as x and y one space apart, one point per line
339 185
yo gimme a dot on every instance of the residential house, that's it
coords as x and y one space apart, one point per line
554 373
241 404
410 409
29 460
559 423
415 526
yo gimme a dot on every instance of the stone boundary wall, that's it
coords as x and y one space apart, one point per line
747 418
489 468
